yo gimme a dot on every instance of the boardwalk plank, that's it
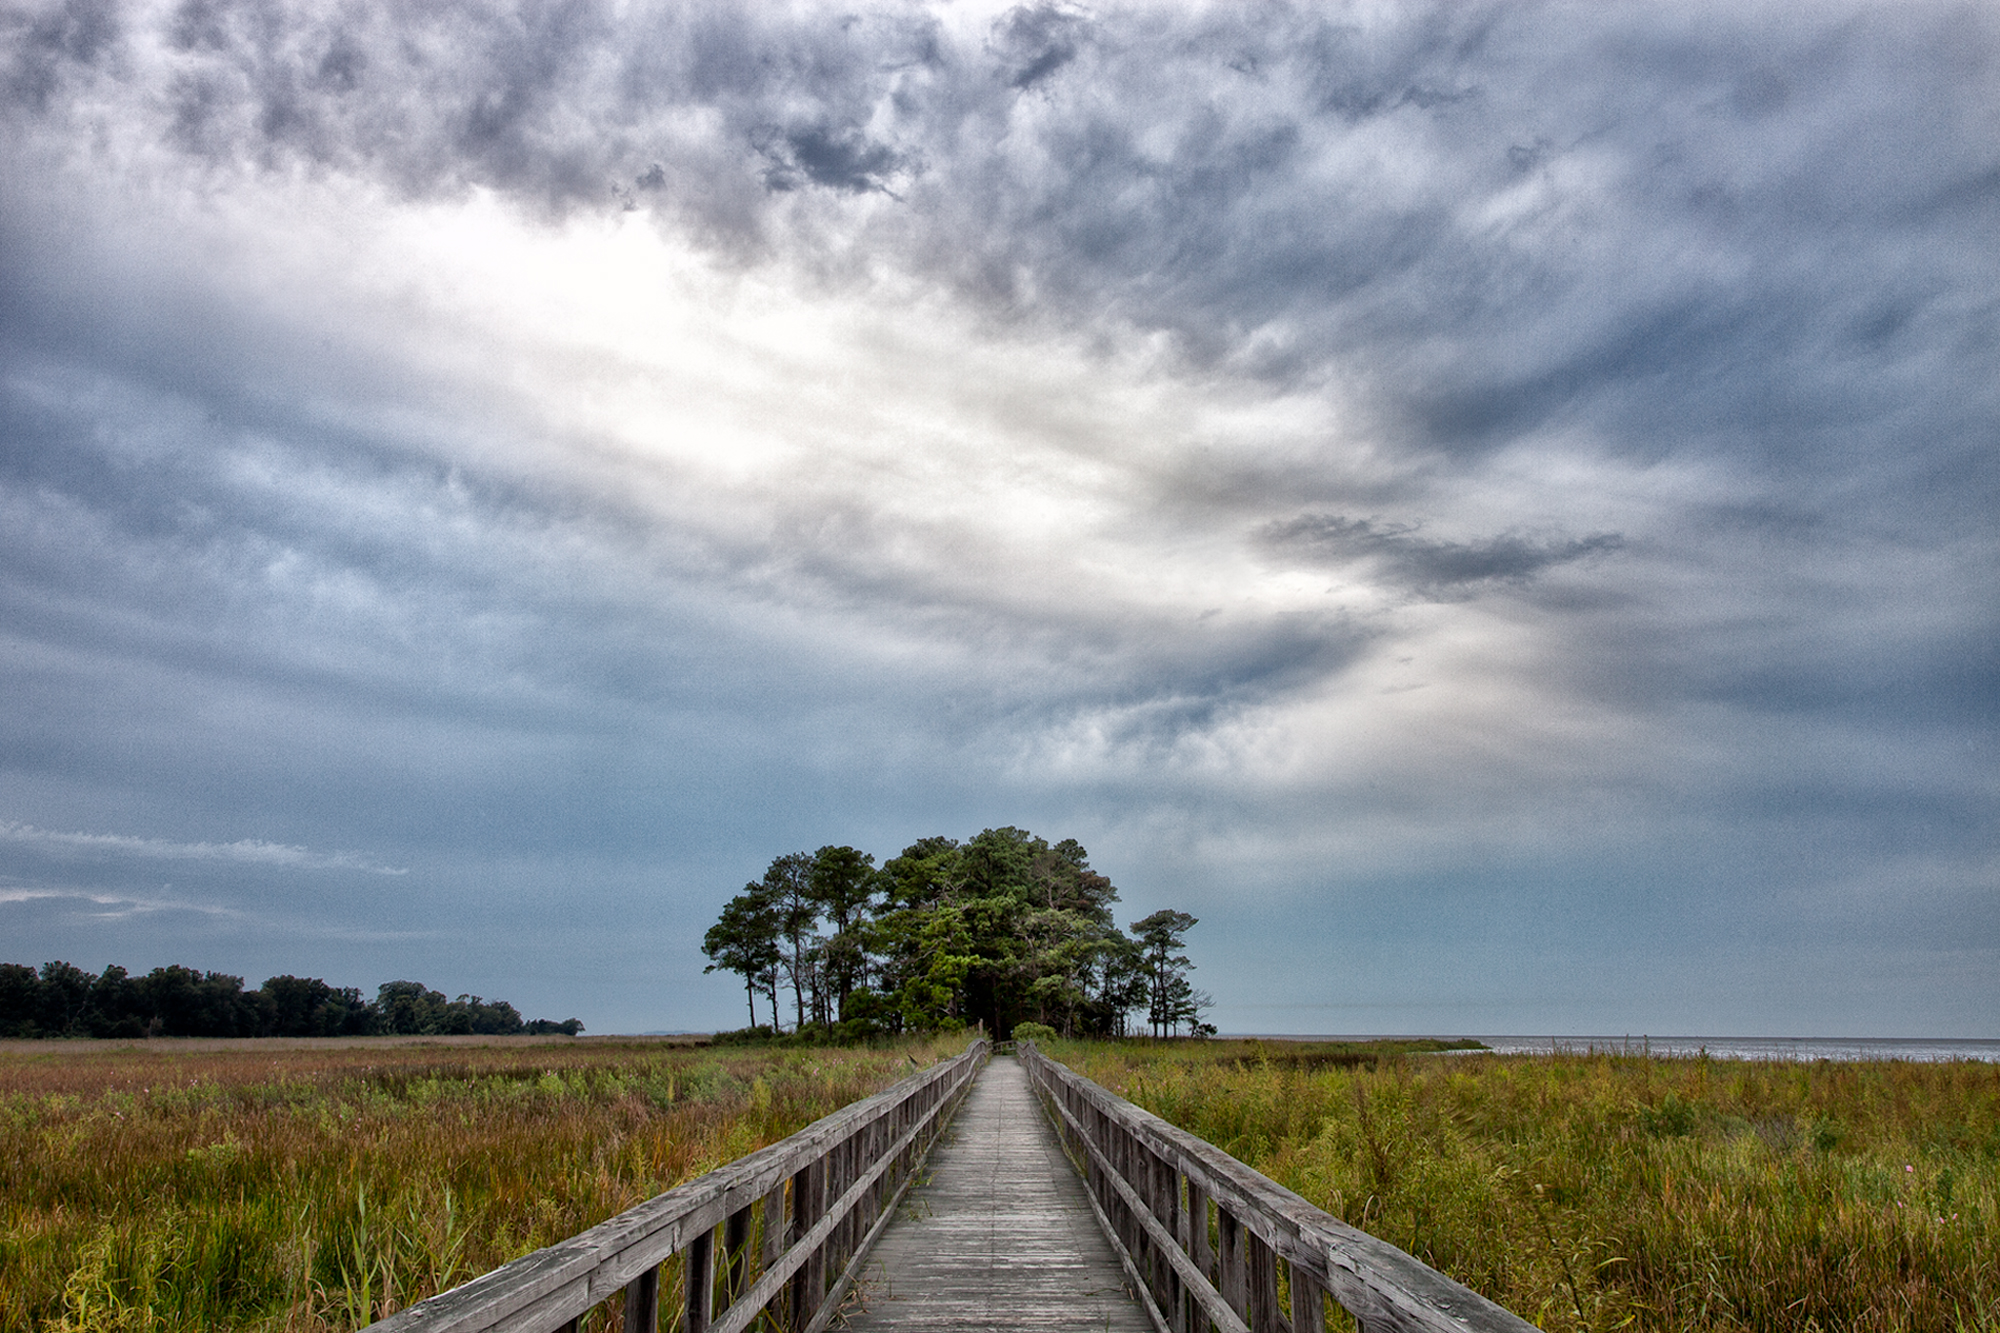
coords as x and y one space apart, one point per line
999 1237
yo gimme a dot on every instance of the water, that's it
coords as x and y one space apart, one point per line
1732 1048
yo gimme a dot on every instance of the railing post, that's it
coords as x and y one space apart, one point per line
736 1254
775 1237
845 1161
1157 1269
642 1302
700 1281
1260 1268
1229 1260
1308 1303
1166 1200
809 1282
1198 1247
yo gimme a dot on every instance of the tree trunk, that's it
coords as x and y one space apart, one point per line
798 984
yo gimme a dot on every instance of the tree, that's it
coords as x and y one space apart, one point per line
1001 928
308 1007
1124 985
928 872
65 991
1167 968
844 885
410 1008
788 886
942 954
745 941
20 1000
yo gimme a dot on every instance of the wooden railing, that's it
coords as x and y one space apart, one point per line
758 1238
1203 1237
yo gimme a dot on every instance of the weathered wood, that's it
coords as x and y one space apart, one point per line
698 1279
1386 1289
1308 1304
830 1308
777 1236
801 1253
642 1303
1229 1261
996 1235
735 1268
1201 1249
544 1291
806 1188
819 1199
1206 1297
1260 1271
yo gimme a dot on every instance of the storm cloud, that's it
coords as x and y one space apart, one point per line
1510 484
1437 568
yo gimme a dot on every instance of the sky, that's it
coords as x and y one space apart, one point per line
1491 507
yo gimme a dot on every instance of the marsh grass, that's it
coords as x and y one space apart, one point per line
320 1186
1616 1191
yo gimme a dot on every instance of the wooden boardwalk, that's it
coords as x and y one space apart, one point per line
995 1231
1000 1235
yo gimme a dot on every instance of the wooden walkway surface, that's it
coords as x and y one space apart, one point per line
1000 1235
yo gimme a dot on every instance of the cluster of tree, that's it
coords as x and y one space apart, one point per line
62 1000
1001 929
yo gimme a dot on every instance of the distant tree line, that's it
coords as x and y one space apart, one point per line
62 1000
1001 929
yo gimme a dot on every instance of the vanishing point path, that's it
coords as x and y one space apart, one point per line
1000 1235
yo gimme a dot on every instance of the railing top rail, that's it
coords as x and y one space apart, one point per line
1386 1287
613 1252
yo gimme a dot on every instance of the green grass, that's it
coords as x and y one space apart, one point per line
309 1187
1603 1192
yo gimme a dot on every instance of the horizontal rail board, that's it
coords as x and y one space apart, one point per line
1387 1290
543 1291
1225 1319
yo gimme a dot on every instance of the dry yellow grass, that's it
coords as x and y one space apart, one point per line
1603 1192
318 1185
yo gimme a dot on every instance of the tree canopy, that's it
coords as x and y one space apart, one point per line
63 1000
1000 929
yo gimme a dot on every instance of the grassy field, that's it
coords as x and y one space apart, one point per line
1603 1192
317 1185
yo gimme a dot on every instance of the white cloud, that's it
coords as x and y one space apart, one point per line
248 851
104 906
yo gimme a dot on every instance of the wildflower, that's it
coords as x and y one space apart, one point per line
1908 1167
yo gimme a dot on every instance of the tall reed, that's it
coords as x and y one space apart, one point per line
1616 1191
312 1187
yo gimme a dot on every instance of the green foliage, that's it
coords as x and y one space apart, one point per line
745 941
999 929
1672 1118
1601 1192
1173 1000
1034 1032
65 1001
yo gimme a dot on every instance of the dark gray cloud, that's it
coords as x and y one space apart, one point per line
1463 202
1032 42
817 154
1424 565
1649 358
